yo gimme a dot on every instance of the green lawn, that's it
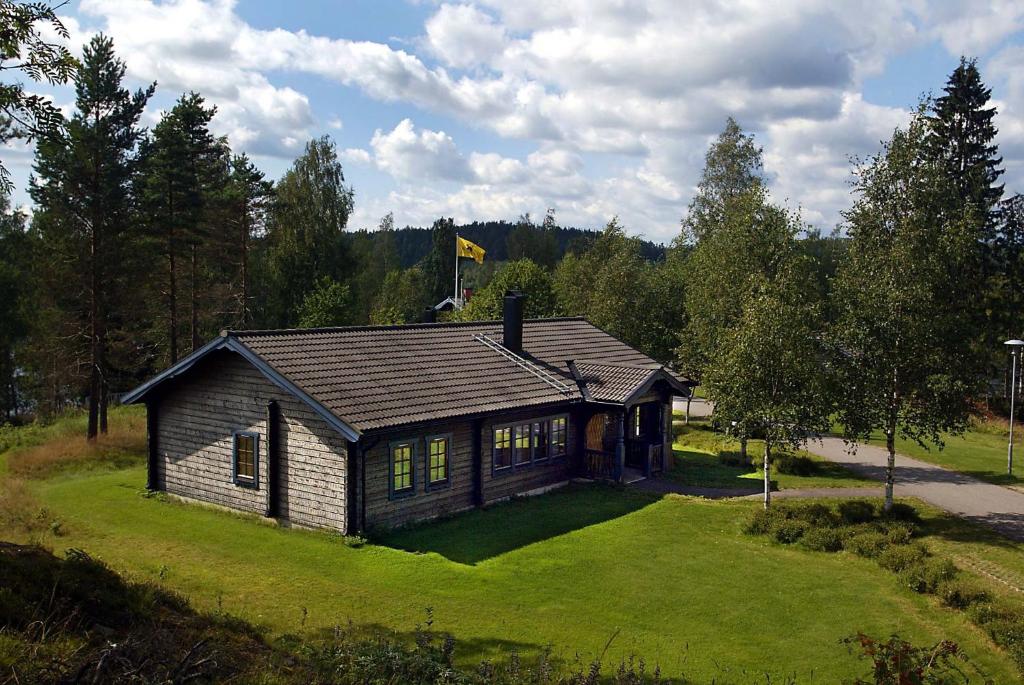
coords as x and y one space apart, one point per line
979 452
673 579
697 449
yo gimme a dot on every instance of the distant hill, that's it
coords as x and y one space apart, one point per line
414 243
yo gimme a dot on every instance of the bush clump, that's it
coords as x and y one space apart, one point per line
788 531
960 593
899 532
763 520
857 511
868 544
795 464
926 576
822 540
897 557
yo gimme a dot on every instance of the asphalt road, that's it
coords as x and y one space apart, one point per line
992 505
973 499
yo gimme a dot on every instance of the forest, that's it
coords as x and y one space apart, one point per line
144 243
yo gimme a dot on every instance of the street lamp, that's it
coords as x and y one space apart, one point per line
1014 346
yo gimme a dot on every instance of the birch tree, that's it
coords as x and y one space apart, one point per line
906 363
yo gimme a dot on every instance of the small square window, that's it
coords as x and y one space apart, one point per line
437 460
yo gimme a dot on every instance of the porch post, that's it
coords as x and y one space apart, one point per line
620 448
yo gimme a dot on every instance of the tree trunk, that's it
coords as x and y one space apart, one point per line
172 281
689 397
767 473
194 304
890 467
743 449
94 338
245 263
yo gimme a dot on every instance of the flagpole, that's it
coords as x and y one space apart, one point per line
457 271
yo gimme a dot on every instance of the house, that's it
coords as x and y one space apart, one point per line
370 427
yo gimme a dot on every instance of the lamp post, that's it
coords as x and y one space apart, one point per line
1014 346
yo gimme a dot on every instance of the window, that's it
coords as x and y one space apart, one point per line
558 436
245 459
401 468
540 441
522 444
637 432
437 460
502 447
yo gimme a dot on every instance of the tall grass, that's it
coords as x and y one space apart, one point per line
37 451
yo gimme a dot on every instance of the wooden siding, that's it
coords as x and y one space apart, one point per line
384 511
196 423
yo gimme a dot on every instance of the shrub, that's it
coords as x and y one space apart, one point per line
898 662
901 512
926 576
899 532
788 531
1008 633
795 465
816 514
898 557
959 593
867 544
762 521
823 540
857 511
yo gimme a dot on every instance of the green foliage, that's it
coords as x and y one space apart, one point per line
960 593
26 45
402 298
439 264
928 575
822 539
796 464
868 544
328 304
535 243
305 240
617 289
857 511
906 362
83 188
523 275
900 556
788 531
733 167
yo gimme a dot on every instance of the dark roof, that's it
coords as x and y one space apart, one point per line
375 377
614 382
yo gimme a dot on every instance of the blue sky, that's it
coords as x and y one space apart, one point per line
484 110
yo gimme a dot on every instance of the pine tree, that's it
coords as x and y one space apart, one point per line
84 181
186 172
249 196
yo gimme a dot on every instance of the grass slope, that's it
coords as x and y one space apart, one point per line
698 448
673 580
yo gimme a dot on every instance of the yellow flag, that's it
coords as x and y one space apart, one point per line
471 250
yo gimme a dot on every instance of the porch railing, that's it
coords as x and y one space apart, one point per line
599 464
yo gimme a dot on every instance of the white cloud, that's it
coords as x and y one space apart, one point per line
617 100
463 36
426 155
